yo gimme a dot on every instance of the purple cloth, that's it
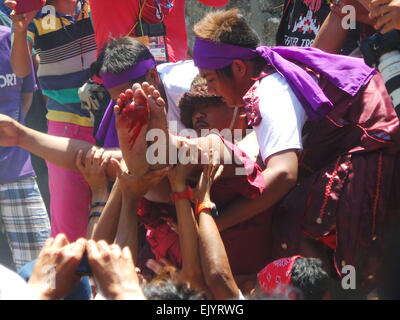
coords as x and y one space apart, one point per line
347 73
112 80
15 163
107 132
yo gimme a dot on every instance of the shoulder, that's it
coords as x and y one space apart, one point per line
182 68
274 84
177 77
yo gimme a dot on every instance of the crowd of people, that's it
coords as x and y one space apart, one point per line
236 171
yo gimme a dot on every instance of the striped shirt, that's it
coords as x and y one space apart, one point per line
66 53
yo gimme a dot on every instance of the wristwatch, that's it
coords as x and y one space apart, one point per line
187 194
207 205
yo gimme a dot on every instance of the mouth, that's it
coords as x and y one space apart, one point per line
200 124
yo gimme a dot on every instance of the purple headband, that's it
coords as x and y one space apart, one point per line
112 80
348 74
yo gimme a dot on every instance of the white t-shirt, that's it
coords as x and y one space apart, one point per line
13 287
283 117
177 79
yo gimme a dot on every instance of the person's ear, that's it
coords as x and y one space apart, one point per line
239 69
152 77
242 113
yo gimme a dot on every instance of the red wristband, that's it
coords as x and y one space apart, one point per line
187 194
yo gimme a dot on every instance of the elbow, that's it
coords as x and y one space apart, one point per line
288 179
20 72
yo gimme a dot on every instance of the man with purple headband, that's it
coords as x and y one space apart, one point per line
125 61
328 135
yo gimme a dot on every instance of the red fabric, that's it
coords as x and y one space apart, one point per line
117 18
347 181
275 277
114 19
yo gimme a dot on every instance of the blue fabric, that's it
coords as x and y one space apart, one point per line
4 9
82 291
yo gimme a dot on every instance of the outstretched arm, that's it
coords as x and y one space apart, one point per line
58 150
187 230
92 166
133 188
21 49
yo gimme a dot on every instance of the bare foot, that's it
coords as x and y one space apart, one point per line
132 117
158 120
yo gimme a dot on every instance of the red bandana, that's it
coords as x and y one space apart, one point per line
275 277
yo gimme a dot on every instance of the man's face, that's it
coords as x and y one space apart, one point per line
214 116
151 77
223 87
115 92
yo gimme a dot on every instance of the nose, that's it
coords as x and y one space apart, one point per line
210 88
199 115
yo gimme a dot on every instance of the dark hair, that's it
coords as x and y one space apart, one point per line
168 289
308 276
197 96
229 26
119 55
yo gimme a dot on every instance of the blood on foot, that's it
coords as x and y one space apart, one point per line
133 116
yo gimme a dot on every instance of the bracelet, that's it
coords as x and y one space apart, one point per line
187 194
207 205
94 214
97 204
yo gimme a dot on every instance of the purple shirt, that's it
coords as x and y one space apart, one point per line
15 163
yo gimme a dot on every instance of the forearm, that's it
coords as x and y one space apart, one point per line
332 36
21 55
188 240
58 150
107 226
214 260
127 233
99 196
278 185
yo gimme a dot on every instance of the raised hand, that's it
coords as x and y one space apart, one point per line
93 168
137 186
211 172
114 271
54 274
20 21
387 13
